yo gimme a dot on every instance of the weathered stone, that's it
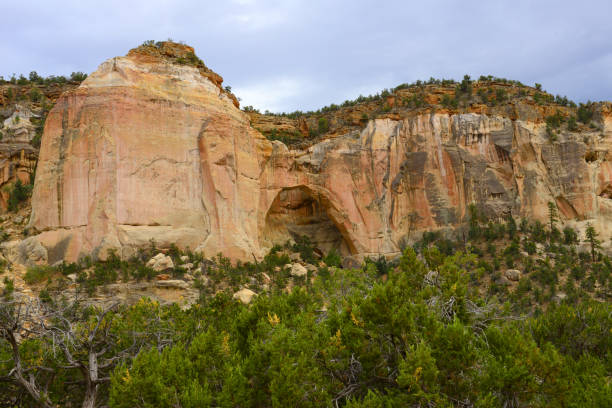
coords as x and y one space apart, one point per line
559 297
172 283
298 270
503 281
513 275
28 252
160 262
311 268
266 277
244 295
195 173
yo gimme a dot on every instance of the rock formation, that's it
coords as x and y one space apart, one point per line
151 147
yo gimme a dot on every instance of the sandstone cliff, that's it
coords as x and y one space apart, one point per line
151 147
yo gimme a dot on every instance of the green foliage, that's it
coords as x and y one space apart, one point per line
38 274
323 125
284 136
333 258
585 112
571 124
501 95
377 344
9 288
553 215
449 102
591 238
570 236
78 76
18 193
304 246
35 95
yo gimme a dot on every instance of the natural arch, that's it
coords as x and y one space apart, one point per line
299 211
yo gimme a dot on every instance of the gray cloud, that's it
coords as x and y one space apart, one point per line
287 55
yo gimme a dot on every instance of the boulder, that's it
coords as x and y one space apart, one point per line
172 284
503 281
297 270
513 275
160 263
28 252
244 295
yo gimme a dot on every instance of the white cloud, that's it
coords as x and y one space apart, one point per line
274 94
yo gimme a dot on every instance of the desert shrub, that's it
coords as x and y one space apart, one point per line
18 194
38 274
323 125
584 113
333 258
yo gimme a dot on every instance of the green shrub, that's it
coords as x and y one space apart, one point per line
18 194
38 274
323 125
333 258
584 113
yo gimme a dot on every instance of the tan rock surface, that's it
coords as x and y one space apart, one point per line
148 149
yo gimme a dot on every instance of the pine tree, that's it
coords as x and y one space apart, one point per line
553 215
591 238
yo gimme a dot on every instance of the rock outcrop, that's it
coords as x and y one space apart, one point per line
152 148
147 149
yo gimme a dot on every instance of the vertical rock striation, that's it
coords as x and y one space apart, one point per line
152 148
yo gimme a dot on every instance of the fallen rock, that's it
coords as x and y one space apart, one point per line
162 277
311 268
513 274
266 277
186 267
244 295
559 297
298 270
173 283
160 262
28 252
503 281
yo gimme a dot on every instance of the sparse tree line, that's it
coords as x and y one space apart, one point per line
35 79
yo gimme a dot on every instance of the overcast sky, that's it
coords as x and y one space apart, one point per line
287 55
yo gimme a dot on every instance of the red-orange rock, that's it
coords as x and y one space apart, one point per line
148 149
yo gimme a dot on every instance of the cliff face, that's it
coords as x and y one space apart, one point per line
146 149
151 149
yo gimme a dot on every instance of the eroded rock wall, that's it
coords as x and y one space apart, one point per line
148 149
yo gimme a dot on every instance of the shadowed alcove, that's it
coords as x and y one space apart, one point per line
300 211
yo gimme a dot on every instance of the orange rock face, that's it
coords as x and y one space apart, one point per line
147 149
